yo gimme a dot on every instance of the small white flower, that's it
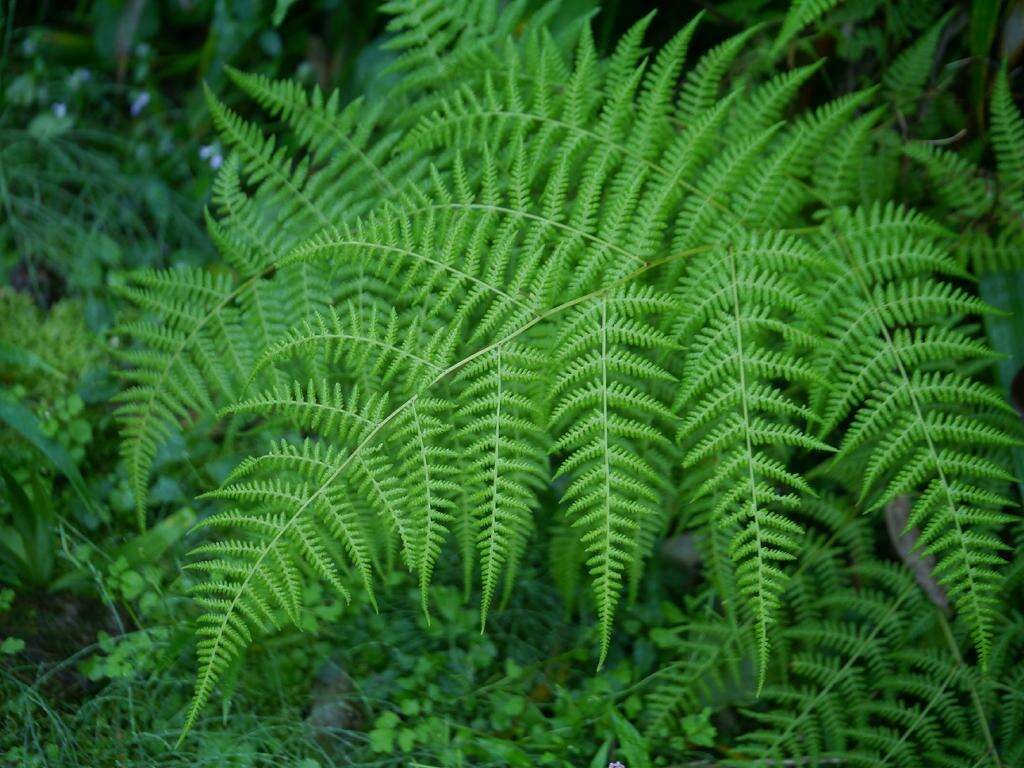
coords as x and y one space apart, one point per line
139 103
60 109
211 154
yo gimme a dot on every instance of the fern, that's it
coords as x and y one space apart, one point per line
906 77
895 363
200 348
959 186
503 429
1008 143
863 690
251 583
710 655
601 417
838 174
739 299
512 280
801 13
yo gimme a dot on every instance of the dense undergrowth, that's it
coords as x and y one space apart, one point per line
540 386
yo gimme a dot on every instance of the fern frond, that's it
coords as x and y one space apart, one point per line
710 658
502 432
906 77
888 320
335 134
267 165
194 351
199 335
865 689
838 176
428 471
743 316
1008 143
801 13
379 345
295 504
700 89
432 35
601 417
767 103
1007 134
957 182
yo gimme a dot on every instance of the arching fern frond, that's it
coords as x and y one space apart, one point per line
198 335
297 506
895 363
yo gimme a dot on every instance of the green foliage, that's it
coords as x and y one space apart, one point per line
77 203
906 77
863 687
1008 144
748 322
41 351
919 426
801 13
557 260
524 340
27 550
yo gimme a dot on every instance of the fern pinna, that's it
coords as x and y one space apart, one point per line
920 425
530 270
739 302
